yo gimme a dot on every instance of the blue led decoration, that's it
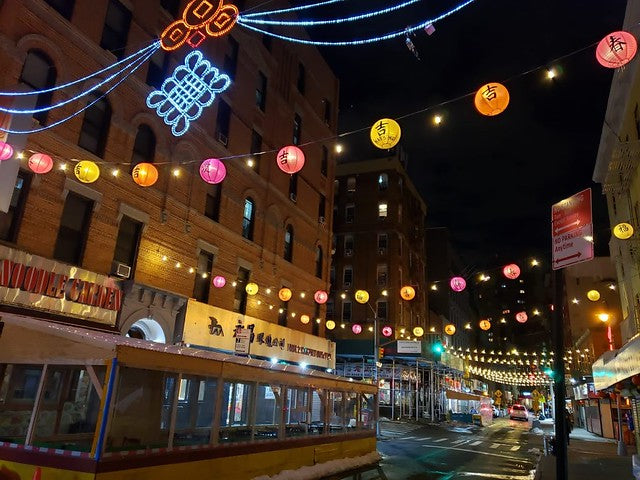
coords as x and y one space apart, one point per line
184 95
293 9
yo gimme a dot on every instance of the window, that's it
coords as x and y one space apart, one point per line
332 274
39 73
116 28
347 276
144 148
382 241
327 111
315 330
171 6
381 274
293 187
349 212
319 257
288 243
297 129
381 309
256 146
382 210
351 184
301 81
63 7
348 245
283 312
321 209
383 182
261 91
203 272
240 298
231 58
10 221
400 213
95 126
223 120
212 202
248 218
158 67
324 161
128 241
346 311
330 309
74 228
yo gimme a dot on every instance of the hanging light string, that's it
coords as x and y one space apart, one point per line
287 10
364 41
334 21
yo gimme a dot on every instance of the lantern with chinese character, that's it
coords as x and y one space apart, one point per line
212 171
593 295
6 151
450 329
330 324
305 319
219 281
251 288
87 171
284 294
491 99
320 296
511 271
418 331
458 284
616 49
290 159
362 296
40 163
623 231
522 317
408 292
356 328
145 174
387 331
385 133
485 324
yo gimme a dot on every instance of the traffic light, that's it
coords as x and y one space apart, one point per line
549 372
437 350
380 352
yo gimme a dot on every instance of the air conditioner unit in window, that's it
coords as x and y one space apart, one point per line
346 284
293 197
321 220
222 138
121 270
348 252
382 251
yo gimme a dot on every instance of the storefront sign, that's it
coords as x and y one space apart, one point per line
214 327
243 341
38 283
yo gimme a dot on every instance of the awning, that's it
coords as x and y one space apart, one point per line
453 395
614 366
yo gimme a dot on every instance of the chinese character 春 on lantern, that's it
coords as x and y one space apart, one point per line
145 174
86 171
458 284
511 271
593 295
362 296
491 99
284 294
616 49
623 231
212 171
450 329
40 163
408 292
251 288
485 324
290 159
385 133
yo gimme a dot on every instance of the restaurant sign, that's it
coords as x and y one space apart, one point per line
213 327
38 283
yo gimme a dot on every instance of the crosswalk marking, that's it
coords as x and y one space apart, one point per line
459 441
476 443
440 440
494 445
515 448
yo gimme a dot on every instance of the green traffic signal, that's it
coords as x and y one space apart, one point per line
437 348
549 372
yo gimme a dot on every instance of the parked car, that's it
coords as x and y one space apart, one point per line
496 412
519 412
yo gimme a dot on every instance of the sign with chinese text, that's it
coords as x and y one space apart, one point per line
409 346
217 328
243 340
572 230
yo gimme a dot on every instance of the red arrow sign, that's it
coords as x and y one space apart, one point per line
572 230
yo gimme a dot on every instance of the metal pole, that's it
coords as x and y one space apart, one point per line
417 393
560 415
432 394
375 368
622 448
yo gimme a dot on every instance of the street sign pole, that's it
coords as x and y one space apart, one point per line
562 466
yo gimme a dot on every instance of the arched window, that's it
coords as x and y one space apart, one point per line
144 148
39 73
319 262
248 218
288 243
95 126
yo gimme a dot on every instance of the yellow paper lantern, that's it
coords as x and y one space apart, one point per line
593 295
362 296
330 324
485 324
284 294
251 288
305 319
450 329
385 133
418 331
87 171
491 99
623 231
408 292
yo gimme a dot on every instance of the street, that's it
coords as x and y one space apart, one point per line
503 451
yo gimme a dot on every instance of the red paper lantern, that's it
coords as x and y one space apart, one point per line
616 49
290 159
212 171
511 271
387 331
458 284
40 163
219 281
6 151
522 317
321 297
356 328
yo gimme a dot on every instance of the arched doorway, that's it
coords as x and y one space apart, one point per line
147 329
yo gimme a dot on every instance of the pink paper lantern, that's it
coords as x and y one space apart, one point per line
356 328
290 159
458 284
6 151
387 331
511 271
219 281
616 49
40 163
522 317
321 297
212 171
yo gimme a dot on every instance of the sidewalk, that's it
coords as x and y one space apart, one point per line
590 458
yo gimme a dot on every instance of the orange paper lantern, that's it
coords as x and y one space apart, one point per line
485 324
285 294
491 99
407 292
145 174
450 329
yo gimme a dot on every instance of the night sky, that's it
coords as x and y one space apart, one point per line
490 180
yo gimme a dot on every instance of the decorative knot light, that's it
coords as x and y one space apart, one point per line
362 296
219 281
145 174
458 284
356 328
321 296
522 317
616 49
408 292
6 151
212 171
511 271
491 99
284 294
450 329
623 231
290 159
40 163
87 171
593 295
251 288
330 324
385 133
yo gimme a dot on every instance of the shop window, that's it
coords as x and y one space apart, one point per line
95 126
39 73
144 148
17 399
194 411
268 408
248 218
10 221
74 229
202 283
297 405
116 28
234 414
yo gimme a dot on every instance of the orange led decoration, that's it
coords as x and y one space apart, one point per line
145 174
491 99
200 18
